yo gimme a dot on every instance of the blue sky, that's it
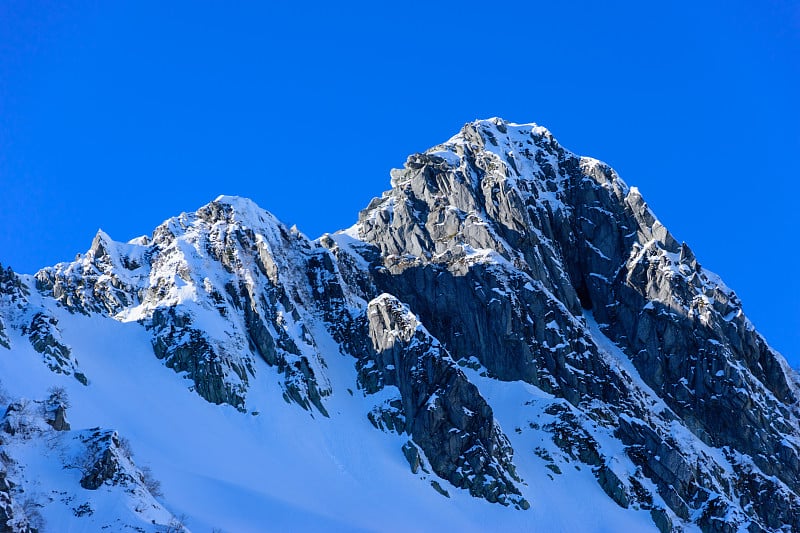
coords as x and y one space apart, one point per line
117 115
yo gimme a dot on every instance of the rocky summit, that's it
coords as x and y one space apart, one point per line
507 338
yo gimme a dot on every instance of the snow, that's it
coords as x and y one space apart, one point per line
566 502
597 250
452 159
283 466
277 464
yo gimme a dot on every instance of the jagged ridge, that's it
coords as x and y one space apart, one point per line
498 255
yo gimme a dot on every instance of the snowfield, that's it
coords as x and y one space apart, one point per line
276 467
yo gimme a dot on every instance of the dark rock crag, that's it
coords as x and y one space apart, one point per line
443 412
500 240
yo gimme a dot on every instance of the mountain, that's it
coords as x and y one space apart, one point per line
508 338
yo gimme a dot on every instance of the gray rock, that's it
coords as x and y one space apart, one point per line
104 461
612 486
45 337
58 419
413 457
662 520
13 518
499 247
187 349
13 293
444 413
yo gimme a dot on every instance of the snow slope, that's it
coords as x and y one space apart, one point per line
278 467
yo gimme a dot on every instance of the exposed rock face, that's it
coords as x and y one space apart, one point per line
103 458
500 237
13 518
36 323
683 329
45 338
12 296
500 256
249 260
7 288
443 411
106 279
58 417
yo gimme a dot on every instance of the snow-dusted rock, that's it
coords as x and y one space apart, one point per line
444 413
511 317
46 465
498 239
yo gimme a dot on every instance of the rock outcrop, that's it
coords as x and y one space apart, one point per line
501 241
102 457
444 413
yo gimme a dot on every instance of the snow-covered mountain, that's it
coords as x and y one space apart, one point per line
506 339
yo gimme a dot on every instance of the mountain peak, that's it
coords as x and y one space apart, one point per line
510 322
519 132
237 201
244 210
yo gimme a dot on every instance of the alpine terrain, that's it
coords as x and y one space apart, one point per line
507 339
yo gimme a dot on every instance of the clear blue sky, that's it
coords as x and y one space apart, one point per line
121 114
